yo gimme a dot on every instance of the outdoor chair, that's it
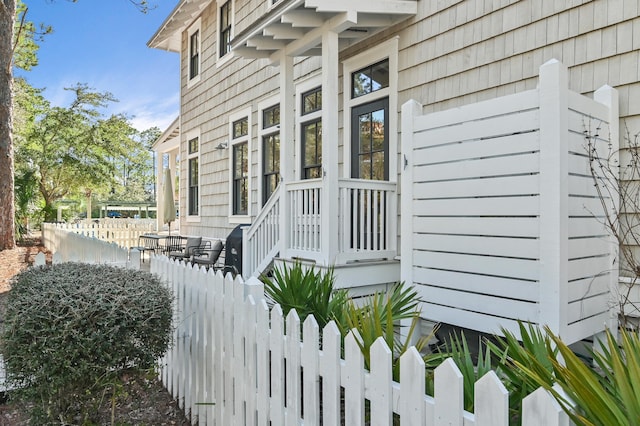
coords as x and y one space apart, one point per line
173 243
147 243
191 244
208 256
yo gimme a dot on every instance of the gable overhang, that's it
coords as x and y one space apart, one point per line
170 138
169 35
295 27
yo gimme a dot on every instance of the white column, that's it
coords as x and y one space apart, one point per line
554 195
329 197
159 192
287 119
173 165
287 143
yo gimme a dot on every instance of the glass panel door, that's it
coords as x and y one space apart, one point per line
370 140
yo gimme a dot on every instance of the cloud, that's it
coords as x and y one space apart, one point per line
150 111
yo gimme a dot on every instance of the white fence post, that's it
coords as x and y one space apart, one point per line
554 210
608 96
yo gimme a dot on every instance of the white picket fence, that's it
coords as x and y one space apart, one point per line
235 362
123 232
69 246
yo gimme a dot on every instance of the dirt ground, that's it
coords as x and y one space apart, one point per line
146 402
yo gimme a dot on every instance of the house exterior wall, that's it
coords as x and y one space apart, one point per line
452 53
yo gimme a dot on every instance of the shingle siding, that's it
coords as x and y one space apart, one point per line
453 52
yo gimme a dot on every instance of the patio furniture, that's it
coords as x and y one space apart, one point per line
173 243
208 256
192 243
148 242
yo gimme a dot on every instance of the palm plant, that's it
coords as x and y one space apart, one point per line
534 351
379 316
458 350
606 394
307 291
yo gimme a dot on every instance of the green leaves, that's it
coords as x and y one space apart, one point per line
70 329
306 291
69 149
606 392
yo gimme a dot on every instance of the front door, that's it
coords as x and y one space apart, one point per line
369 160
370 140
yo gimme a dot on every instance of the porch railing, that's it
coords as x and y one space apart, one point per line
304 217
261 241
367 223
368 211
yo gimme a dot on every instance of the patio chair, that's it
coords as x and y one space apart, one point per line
147 243
173 243
192 243
208 256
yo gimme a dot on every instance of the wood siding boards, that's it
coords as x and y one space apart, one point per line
451 53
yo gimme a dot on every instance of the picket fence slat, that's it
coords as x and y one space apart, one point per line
449 400
330 369
310 362
491 400
411 408
293 365
229 354
354 381
262 351
276 344
238 367
381 380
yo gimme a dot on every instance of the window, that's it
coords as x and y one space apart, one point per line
239 132
194 56
311 136
193 181
225 29
270 151
241 178
370 79
370 113
370 140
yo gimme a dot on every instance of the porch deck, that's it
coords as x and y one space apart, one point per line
291 225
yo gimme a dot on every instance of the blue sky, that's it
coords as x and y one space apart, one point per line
103 43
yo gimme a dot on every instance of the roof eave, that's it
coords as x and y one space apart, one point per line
168 36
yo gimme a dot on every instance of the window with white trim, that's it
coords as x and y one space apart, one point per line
194 56
239 135
311 133
225 26
270 137
193 177
370 112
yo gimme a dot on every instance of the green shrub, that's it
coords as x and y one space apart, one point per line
72 329
306 291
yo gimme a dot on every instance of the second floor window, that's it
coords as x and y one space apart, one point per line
194 54
225 28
